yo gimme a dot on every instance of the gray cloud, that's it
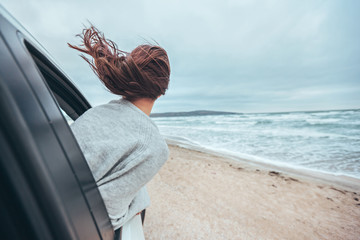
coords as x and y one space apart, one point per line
246 56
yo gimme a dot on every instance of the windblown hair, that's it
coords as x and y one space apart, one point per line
143 73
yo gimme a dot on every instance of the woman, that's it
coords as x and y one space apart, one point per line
120 142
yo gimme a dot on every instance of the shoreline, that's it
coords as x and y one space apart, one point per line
347 182
199 195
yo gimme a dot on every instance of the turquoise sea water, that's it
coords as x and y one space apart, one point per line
327 141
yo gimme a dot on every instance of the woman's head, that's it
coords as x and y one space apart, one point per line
143 73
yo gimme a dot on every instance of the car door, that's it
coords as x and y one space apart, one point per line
47 189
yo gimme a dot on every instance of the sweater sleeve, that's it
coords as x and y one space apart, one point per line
124 192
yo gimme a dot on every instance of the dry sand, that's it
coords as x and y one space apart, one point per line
198 195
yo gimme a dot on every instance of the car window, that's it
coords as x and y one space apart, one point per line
70 100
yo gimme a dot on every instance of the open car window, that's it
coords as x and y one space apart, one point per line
70 100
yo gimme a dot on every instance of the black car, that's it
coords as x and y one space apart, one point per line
47 189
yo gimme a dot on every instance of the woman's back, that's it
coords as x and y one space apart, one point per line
124 150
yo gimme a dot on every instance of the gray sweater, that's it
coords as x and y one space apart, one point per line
124 150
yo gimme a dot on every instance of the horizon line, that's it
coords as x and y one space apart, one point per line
346 109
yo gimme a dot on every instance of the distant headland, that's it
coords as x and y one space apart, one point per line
191 113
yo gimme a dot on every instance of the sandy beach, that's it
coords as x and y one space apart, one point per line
199 195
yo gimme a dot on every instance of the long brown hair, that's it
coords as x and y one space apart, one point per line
143 73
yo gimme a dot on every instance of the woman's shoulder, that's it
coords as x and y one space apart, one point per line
115 109
118 115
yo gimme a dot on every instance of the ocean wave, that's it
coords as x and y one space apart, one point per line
316 166
313 139
180 140
264 122
323 121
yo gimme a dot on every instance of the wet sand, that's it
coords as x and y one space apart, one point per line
199 195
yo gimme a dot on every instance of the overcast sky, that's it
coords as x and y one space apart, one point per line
239 55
